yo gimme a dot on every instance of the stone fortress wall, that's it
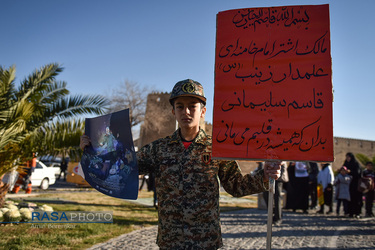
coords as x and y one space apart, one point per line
160 122
356 146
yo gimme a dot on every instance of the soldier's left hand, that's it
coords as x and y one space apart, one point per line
272 169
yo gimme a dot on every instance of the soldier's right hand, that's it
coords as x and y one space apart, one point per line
84 141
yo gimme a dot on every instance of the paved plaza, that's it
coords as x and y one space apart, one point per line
247 229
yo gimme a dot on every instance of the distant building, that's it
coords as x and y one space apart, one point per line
160 122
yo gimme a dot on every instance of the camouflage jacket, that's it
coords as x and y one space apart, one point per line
187 187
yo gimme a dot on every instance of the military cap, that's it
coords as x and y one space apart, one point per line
188 87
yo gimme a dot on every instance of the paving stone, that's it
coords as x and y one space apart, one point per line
247 229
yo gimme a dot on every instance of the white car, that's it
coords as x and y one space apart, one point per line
52 162
42 176
56 168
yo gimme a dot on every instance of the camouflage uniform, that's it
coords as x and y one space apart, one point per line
187 186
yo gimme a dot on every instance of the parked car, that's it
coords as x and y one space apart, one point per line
42 176
56 168
52 162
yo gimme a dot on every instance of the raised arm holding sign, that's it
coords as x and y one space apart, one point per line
273 89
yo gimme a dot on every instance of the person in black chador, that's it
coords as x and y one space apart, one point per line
63 169
355 203
313 184
290 187
298 187
369 195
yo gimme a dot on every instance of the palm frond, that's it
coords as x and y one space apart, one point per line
54 91
7 77
61 137
15 119
79 105
37 81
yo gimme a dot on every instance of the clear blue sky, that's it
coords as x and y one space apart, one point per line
157 43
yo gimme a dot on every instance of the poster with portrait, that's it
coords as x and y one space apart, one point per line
109 164
273 84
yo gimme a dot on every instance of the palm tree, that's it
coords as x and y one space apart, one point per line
62 138
38 112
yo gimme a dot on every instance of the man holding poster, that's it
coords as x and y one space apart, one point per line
187 178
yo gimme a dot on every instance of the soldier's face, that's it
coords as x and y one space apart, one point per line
188 111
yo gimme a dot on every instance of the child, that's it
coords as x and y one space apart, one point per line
342 182
326 178
369 196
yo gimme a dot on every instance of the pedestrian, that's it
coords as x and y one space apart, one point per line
369 195
290 186
342 182
301 187
326 179
187 178
24 179
145 179
355 203
63 169
277 210
313 184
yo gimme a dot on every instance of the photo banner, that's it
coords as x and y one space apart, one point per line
273 84
109 164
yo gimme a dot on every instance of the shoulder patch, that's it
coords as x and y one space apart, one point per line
206 157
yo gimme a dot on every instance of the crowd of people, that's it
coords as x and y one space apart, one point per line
313 187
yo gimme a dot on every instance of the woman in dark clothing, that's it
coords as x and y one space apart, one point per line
298 187
301 192
355 203
289 187
313 184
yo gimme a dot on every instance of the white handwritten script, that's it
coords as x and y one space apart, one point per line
273 88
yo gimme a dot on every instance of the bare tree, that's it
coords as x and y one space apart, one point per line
132 96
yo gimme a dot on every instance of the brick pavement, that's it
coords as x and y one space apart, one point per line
247 229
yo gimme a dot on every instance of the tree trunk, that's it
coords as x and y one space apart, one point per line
3 192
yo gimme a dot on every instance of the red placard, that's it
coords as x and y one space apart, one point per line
273 87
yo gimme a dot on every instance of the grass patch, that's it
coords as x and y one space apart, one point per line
228 203
127 216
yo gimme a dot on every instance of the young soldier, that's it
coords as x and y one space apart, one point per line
187 179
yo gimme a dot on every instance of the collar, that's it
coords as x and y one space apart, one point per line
201 137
